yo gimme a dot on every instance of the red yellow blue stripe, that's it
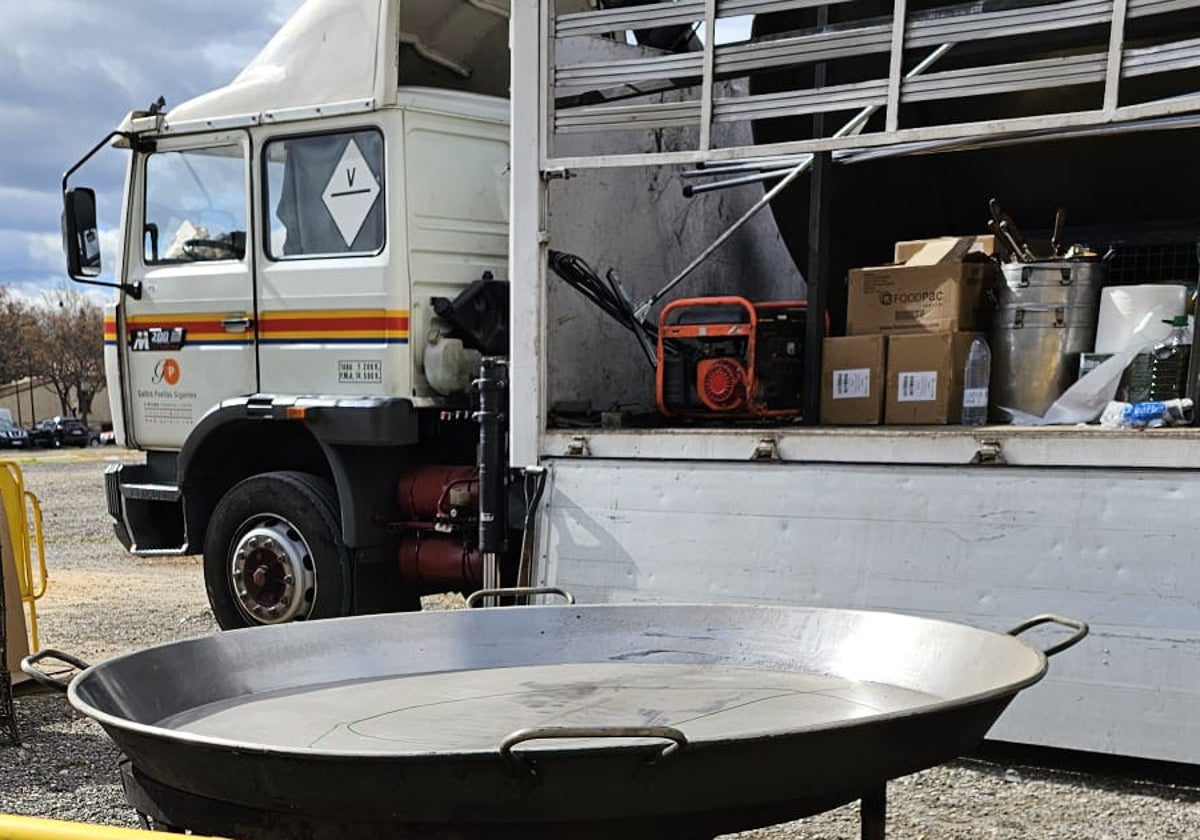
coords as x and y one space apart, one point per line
281 327
342 326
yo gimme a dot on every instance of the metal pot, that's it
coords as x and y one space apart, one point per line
1045 317
667 720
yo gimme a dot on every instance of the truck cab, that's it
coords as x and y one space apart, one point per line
287 345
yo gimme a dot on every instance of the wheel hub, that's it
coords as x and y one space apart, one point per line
272 572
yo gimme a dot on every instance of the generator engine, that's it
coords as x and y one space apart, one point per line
727 357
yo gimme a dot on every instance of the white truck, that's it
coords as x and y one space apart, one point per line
313 268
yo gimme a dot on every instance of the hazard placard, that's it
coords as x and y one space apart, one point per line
350 193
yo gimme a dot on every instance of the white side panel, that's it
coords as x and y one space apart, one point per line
456 188
985 546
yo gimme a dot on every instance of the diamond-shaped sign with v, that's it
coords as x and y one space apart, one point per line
350 193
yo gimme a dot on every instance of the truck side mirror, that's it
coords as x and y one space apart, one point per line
81 239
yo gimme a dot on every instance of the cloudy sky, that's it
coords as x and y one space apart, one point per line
69 72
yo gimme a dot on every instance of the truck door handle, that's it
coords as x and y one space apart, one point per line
237 323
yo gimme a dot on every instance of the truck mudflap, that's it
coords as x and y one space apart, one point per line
147 514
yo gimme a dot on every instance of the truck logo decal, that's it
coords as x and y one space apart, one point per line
166 371
350 193
900 298
156 338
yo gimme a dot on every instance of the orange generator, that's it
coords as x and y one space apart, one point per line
725 357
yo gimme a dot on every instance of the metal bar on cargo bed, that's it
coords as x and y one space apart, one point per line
1145 61
899 21
958 24
547 78
1116 42
604 21
706 84
660 14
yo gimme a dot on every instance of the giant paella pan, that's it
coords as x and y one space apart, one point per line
554 721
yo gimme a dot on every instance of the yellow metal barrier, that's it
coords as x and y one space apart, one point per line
31 828
23 514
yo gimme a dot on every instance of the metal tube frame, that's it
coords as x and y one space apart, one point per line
901 32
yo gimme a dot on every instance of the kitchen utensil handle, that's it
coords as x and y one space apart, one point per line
28 665
517 591
1056 239
1080 628
678 739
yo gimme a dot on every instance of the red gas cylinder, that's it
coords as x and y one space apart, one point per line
436 562
431 491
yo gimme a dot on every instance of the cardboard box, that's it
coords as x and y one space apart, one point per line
912 298
925 377
956 248
853 371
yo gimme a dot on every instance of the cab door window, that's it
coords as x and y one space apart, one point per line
325 195
195 205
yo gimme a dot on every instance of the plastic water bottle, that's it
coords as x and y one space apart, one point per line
975 383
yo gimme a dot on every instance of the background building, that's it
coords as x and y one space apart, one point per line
30 404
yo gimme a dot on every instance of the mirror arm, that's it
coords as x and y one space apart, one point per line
132 289
91 153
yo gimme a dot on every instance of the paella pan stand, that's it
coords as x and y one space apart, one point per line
654 722
163 808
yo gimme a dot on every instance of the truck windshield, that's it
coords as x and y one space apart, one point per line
195 205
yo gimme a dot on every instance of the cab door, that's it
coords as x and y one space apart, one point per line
189 342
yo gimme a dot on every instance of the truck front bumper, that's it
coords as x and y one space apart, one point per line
147 516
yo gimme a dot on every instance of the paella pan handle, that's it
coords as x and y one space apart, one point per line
678 740
1080 628
517 592
29 663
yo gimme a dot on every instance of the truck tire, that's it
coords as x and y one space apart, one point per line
273 552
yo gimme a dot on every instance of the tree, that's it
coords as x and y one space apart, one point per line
70 352
15 323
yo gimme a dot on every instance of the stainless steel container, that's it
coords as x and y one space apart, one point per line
1045 317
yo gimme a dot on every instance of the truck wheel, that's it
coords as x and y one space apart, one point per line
273 552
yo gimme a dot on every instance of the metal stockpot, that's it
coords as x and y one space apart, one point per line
1045 317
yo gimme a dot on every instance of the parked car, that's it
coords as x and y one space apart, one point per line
41 434
59 431
102 435
12 436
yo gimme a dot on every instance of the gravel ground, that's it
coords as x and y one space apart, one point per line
102 602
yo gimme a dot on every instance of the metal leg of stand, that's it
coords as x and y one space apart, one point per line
874 814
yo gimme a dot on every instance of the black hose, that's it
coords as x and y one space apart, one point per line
525 564
609 296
